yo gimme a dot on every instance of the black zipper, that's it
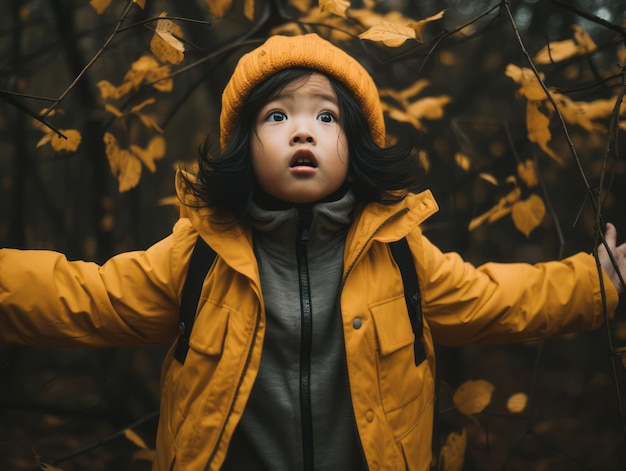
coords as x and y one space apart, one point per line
306 339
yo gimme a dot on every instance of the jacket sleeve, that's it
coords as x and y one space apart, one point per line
511 302
131 299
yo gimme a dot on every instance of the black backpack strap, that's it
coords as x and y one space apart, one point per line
200 263
402 255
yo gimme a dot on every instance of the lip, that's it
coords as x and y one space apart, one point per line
303 159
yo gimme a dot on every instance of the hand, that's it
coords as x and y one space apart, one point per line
619 255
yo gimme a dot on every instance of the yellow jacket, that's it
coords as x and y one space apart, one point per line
134 298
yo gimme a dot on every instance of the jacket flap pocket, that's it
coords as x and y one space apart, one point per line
209 330
393 327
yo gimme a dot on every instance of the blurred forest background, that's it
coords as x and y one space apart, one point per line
516 181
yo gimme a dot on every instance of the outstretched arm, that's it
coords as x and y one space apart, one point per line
618 253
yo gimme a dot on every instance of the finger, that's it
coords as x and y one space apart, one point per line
610 236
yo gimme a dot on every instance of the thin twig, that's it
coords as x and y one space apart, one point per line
105 440
93 59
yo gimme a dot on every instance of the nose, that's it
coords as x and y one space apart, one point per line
302 134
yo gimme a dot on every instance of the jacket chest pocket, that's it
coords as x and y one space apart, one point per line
401 381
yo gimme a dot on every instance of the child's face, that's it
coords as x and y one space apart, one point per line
299 149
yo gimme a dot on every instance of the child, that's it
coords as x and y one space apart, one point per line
302 355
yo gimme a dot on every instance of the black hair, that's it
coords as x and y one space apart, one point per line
225 182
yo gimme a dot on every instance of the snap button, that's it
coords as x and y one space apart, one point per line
357 323
369 416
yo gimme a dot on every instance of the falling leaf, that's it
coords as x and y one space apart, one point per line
530 86
100 5
558 51
537 125
406 94
472 397
390 34
528 214
113 110
488 178
144 455
158 78
169 201
336 7
149 122
528 173
462 161
429 107
47 137
418 26
125 166
452 453
517 403
218 8
69 144
154 151
136 439
165 44
142 105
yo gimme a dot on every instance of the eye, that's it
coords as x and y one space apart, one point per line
276 116
327 117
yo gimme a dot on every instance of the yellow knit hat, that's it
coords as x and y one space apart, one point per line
307 51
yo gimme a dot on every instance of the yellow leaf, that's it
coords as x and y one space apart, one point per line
424 160
107 90
517 403
488 178
418 26
407 93
528 173
559 51
169 201
113 110
100 5
336 7
529 85
390 34
45 139
498 211
473 396
144 455
573 112
140 3
158 78
528 214
218 8
149 122
70 144
154 151
125 166
136 439
538 130
164 44
142 105
462 161
248 9
429 107
452 453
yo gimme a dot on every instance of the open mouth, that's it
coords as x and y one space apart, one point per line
303 158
